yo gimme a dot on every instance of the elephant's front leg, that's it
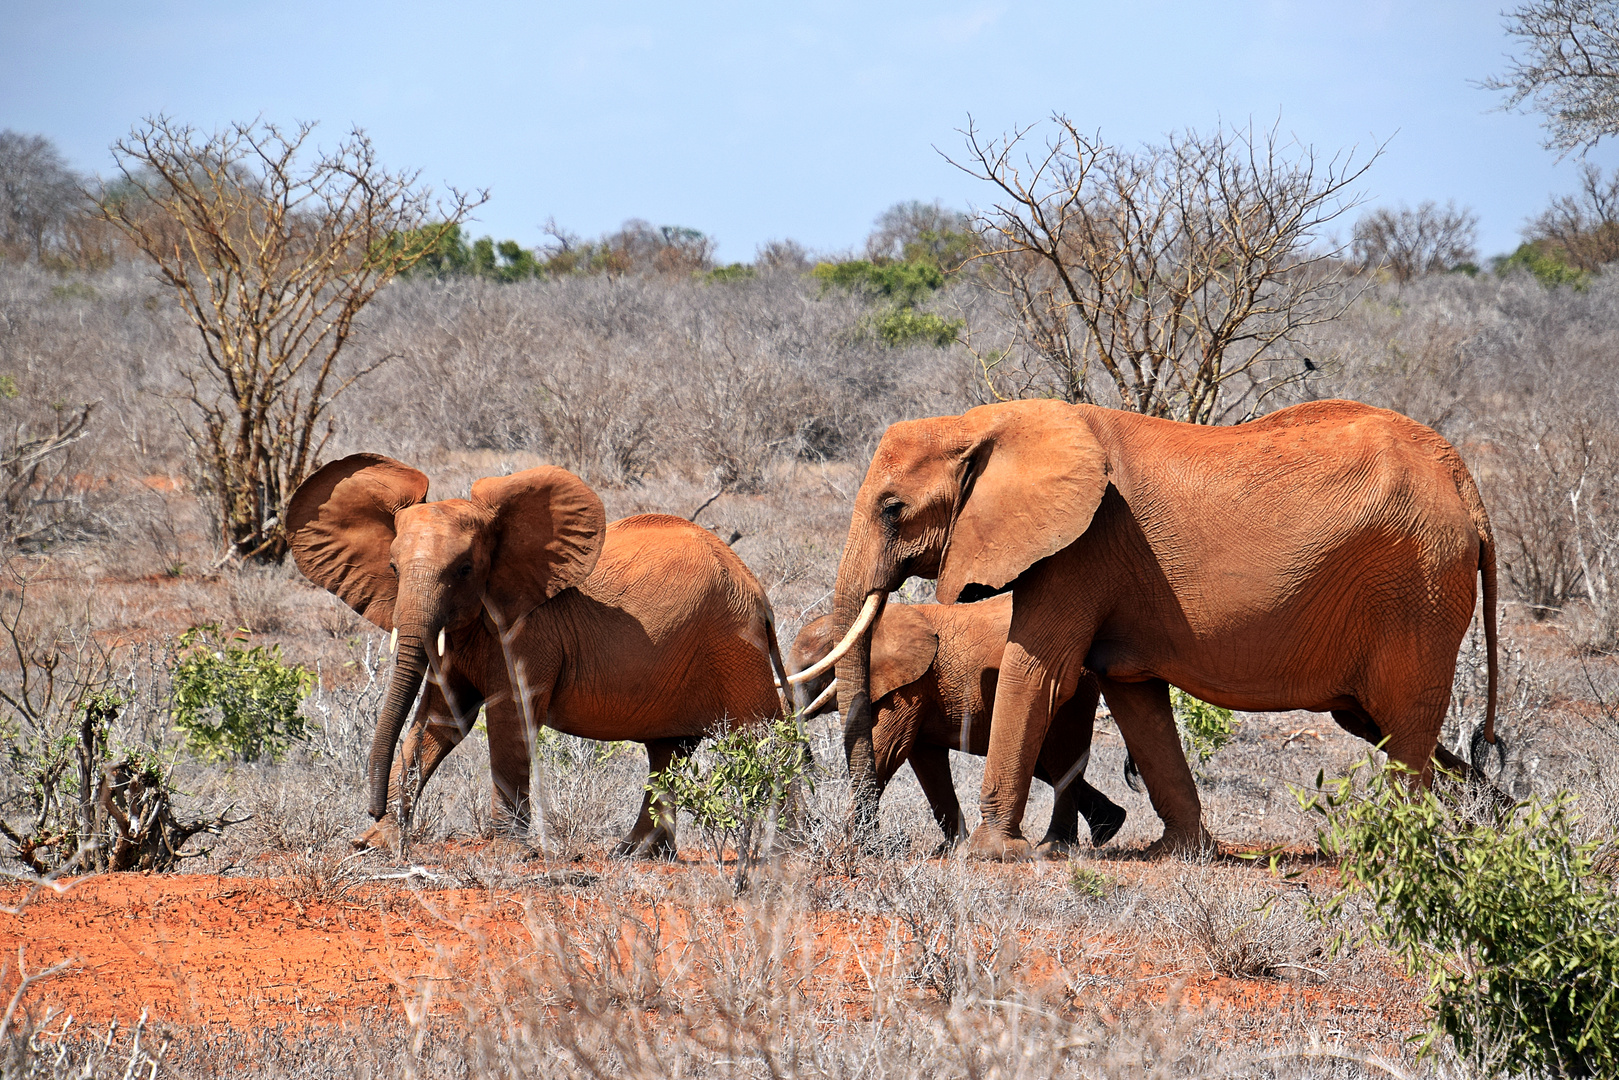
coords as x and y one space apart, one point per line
931 764
1147 722
654 834
510 747
1030 689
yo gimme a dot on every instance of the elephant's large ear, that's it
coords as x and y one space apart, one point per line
548 535
902 649
1032 478
340 525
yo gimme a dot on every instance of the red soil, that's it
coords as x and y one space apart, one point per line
203 951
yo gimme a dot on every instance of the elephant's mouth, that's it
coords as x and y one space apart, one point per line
868 614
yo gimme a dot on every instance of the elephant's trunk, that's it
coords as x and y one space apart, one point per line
854 701
409 669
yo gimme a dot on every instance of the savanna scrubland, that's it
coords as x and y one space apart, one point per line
770 389
748 399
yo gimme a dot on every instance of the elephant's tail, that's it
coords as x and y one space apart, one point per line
1486 734
1486 567
788 694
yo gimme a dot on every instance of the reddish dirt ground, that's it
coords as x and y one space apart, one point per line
204 952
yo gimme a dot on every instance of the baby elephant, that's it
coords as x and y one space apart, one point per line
933 673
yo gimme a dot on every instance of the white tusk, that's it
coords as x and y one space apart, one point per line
441 642
831 691
393 641
867 614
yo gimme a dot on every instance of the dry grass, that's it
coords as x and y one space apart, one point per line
662 394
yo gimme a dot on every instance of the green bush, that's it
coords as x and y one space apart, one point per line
732 783
897 288
1546 262
1204 729
1513 924
905 283
733 272
231 700
1090 884
902 326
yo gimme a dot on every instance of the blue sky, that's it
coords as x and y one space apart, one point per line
753 121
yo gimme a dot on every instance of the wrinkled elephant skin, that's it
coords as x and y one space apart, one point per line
1324 557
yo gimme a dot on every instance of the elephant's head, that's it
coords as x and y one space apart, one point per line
361 528
972 500
903 645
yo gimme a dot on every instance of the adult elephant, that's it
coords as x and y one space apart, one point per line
934 669
524 601
1323 557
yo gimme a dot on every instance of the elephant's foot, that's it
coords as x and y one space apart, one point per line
1106 823
988 844
658 844
1056 847
383 835
1181 842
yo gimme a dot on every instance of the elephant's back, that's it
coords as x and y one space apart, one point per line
659 563
1302 482
673 634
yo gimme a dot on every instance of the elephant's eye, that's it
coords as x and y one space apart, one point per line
891 511
465 571
392 569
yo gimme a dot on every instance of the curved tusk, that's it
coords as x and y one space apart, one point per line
867 614
441 642
393 641
831 691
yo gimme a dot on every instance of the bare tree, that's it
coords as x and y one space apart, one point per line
1173 274
1408 243
39 195
35 496
1583 228
785 255
1569 69
639 247
272 259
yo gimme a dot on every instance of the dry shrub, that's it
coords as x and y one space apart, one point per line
621 378
1246 929
261 596
585 790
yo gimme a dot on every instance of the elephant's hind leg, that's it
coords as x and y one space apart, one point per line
1072 797
653 836
1063 760
1410 737
1147 722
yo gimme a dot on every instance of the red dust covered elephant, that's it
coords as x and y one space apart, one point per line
1325 557
522 600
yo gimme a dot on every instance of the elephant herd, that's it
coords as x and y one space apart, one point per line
1323 557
